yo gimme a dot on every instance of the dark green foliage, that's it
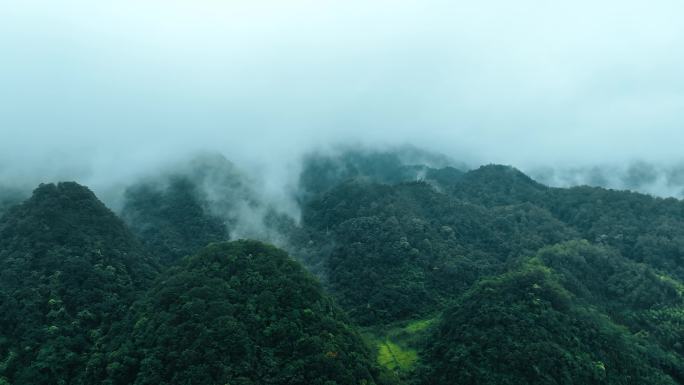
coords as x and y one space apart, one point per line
526 284
172 220
179 211
401 251
323 172
239 313
524 328
602 275
650 304
496 185
10 197
69 268
641 227
444 178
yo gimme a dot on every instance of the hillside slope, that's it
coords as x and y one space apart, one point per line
239 313
69 269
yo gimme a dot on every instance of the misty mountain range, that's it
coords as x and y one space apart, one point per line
352 192
404 163
388 268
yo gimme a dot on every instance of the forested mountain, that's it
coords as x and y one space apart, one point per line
239 313
322 172
172 220
522 327
79 307
9 197
180 210
641 227
69 269
401 253
465 277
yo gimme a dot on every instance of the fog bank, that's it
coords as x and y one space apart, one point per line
102 92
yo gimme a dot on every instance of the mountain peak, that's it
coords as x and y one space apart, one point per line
496 185
69 217
502 173
64 214
77 267
63 188
253 314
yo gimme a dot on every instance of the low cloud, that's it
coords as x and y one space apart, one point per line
102 92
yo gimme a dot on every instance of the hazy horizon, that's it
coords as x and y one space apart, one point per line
102 92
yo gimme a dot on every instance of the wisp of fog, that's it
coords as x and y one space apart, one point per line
103 92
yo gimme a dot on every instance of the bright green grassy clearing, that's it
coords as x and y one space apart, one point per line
398 344
394 357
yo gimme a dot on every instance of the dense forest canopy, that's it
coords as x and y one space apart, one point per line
429 274
397 192
238 313
171 221
522 327
69 270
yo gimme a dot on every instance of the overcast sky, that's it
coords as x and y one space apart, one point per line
93 90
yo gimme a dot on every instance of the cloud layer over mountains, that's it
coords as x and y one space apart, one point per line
101 91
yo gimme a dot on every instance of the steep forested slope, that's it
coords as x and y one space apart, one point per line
497 185
172 220
239 313
69 269
457 277
323 172
524 328
641 227
402 250
179 210
647 302
10 197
